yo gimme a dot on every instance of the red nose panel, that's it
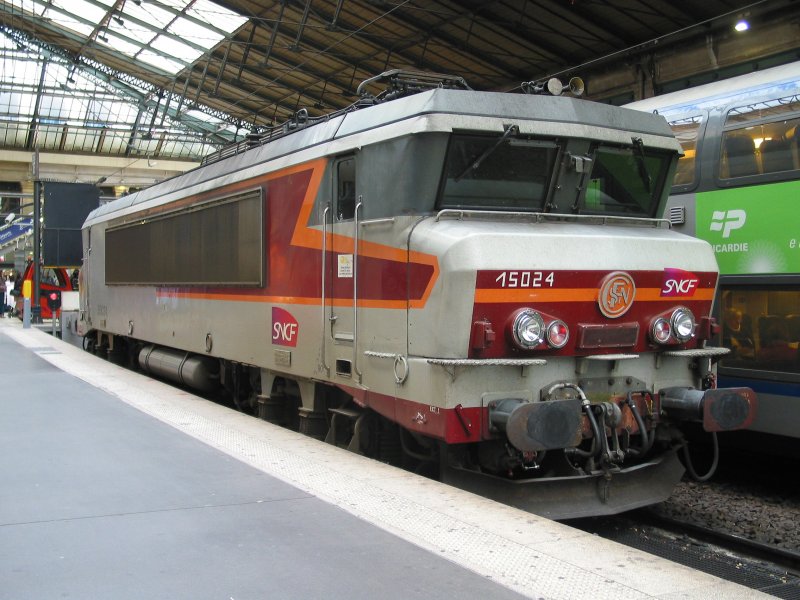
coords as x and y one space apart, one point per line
583 300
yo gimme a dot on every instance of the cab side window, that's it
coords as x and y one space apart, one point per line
345 188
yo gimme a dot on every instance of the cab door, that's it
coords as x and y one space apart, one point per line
342 270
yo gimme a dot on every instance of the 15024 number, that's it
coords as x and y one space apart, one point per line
525 279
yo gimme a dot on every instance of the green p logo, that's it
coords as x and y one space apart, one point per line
727 220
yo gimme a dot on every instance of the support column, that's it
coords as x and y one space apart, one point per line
36 316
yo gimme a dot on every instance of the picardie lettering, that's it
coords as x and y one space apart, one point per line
742 247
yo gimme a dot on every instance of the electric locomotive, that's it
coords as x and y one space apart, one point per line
470 280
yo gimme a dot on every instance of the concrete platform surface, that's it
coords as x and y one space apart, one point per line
101 497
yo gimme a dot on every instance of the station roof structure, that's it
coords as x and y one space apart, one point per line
177 79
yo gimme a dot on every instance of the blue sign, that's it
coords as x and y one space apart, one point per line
16 229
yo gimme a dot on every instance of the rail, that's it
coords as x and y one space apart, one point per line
738 544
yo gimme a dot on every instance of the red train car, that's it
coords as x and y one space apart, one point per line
50 279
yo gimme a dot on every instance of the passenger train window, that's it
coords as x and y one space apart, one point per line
761 326
686 131
345 189
761 138
51 277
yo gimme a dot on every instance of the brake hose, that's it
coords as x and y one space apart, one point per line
714 463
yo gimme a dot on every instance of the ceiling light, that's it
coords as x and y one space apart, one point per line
741 25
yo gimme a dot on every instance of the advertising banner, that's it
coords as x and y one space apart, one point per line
20 227
753 229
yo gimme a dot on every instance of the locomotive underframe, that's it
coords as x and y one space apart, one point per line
596 476
580 495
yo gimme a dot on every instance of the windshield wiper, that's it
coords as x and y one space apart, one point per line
475 163
638 153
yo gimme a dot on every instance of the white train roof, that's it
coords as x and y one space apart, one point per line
776 82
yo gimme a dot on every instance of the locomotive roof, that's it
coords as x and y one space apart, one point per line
775 82
437 110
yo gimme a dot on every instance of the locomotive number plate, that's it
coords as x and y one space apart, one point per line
525 279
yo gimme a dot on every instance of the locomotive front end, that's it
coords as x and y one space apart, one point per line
580 371
567 342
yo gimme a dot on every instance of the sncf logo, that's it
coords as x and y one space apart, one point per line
284 327
617 292
677 282
728 220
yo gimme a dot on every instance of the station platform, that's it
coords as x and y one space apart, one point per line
118 486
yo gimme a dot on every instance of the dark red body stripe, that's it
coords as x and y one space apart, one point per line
433 421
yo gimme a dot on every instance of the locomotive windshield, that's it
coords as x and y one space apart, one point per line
625 181
507 173
497 173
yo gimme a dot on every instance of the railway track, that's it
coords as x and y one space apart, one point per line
751 564
783 558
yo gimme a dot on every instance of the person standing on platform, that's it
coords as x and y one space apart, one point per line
8 307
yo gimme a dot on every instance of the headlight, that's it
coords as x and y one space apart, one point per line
527 329
660 330
682 324
557 334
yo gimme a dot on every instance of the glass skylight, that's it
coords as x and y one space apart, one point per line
167 35
52 103
86 12
173 47
149 12
158 60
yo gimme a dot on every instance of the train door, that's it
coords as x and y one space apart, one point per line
342 270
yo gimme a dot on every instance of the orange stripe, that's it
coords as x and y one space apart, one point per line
496 296
308 237
345 302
